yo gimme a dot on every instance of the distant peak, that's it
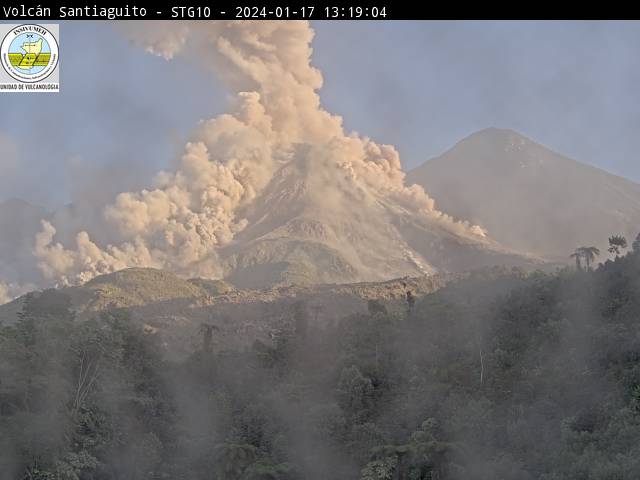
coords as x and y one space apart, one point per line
493 142
497 134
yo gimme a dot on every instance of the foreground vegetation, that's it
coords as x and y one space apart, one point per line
512 376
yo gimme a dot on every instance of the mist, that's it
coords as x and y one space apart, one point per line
269 294
500 373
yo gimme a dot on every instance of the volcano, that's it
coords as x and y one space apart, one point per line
304 229
273 192
529 197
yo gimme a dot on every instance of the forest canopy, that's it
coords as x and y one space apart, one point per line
510 376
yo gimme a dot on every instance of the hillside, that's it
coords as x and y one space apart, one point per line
528 197
175 309
505 375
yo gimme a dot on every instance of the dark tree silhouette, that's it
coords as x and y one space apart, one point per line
589 254
207 336
411 300
617 243
578 256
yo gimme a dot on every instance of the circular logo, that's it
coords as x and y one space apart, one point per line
29 53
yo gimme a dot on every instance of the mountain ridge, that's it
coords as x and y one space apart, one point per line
529 197
174 308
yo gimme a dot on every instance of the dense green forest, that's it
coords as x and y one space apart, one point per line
511 376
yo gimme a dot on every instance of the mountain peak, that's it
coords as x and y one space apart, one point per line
495 133
527 196
492 143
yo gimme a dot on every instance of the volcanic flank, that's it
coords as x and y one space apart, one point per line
274 191
530 198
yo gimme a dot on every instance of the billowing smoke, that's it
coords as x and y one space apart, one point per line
189 213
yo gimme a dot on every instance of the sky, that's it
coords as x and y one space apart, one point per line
123 114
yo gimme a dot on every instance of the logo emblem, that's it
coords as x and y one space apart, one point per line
29 53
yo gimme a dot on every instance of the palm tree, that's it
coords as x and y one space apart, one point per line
589 254
616 243
577 255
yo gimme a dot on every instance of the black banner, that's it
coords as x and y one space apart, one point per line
239 10
256 10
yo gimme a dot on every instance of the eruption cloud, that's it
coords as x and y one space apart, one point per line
189 213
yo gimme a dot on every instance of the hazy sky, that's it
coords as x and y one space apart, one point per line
422 86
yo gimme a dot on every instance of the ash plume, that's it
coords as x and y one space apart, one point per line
276 121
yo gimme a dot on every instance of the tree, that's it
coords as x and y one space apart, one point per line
267 470
424 456
617 243
589 254
36 386
411 301
207 336
233 459
577 255
355 392
380 469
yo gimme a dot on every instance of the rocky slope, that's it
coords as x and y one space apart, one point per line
303 230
